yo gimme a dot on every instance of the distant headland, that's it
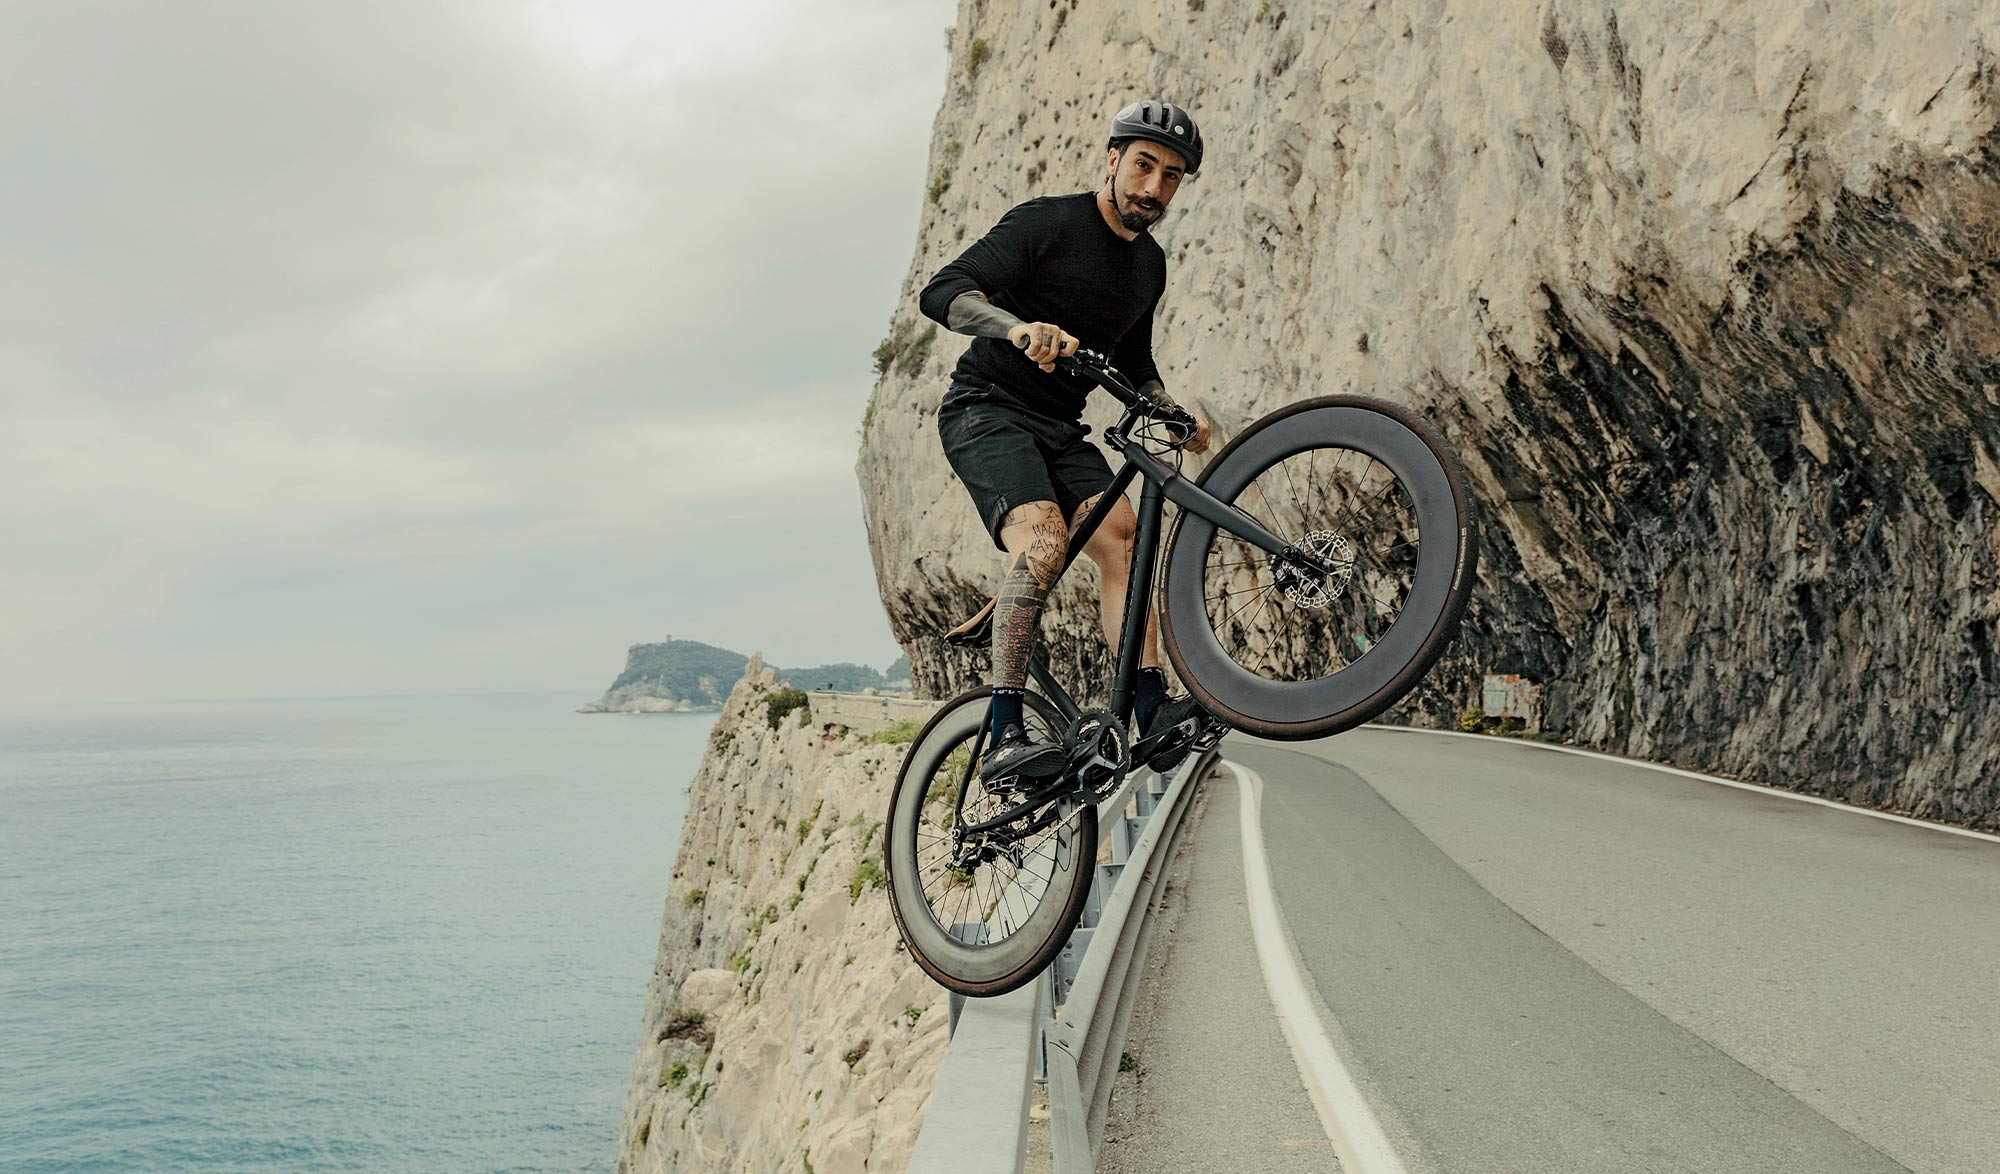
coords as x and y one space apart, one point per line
687 676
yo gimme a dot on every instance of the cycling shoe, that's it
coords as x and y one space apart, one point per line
1015 756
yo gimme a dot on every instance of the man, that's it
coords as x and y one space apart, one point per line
1057 273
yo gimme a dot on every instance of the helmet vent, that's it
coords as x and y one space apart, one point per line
1162 122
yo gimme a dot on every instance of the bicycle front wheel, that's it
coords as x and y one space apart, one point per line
1370 488
983 912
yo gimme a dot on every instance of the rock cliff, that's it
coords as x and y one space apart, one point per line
1706 295
784 1027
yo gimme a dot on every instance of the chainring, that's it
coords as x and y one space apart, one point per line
1098 754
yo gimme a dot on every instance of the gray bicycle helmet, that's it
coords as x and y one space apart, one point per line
1161 122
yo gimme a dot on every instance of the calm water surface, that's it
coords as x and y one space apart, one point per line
408 934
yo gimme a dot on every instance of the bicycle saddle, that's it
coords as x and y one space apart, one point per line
975 632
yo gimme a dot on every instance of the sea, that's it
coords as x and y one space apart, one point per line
380 934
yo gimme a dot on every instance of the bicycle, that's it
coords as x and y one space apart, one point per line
1288 612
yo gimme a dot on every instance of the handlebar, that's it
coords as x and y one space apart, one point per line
1097 368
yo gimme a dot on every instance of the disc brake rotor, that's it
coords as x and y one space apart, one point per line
1307 589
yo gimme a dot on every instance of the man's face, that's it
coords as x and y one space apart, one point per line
1144 178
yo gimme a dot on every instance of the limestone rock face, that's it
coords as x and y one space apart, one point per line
1703 294
783 1022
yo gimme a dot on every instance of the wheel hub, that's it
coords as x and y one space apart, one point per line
1308 588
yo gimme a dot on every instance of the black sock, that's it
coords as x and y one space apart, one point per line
1006 709
1148 694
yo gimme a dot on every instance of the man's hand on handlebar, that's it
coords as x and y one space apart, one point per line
1198 443
1044 342
1193 426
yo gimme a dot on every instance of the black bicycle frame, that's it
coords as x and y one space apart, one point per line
1163 482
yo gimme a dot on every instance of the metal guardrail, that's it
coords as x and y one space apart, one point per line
977 1120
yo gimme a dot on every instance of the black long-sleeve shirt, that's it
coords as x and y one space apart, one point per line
1053 259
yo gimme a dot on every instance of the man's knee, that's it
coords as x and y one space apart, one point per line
1110 546
1037 540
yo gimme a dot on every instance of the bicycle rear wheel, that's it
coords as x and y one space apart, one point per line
1370 487
986 913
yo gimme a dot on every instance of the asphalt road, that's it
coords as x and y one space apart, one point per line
1211 1085
1541 962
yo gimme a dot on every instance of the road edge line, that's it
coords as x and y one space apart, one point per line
1343 1111
1755 788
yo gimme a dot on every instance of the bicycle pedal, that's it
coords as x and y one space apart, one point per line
1165 742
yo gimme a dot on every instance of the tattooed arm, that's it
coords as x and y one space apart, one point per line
1157 391
971 313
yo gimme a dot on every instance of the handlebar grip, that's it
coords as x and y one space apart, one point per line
1098 369
1182 422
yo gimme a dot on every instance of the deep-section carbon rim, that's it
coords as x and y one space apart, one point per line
1364 485
1025 901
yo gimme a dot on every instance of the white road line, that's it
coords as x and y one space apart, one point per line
1759 788
1343 1111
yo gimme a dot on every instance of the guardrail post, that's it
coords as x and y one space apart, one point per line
1045 1011
1105 879
1071 960
1124 831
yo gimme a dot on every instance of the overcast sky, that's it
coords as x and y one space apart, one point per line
452 345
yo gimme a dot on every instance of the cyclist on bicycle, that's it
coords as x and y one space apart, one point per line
1056 273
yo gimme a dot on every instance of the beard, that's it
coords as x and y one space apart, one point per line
1130 214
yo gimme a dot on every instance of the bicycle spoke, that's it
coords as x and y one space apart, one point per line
1261 612
1379 558
958 911
1045 877
1353 480
1238 591
1377 500
932 899
1296 496
1240 610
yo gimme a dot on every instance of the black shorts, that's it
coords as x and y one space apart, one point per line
1007 457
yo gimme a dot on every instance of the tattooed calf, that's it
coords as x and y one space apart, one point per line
1017 612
